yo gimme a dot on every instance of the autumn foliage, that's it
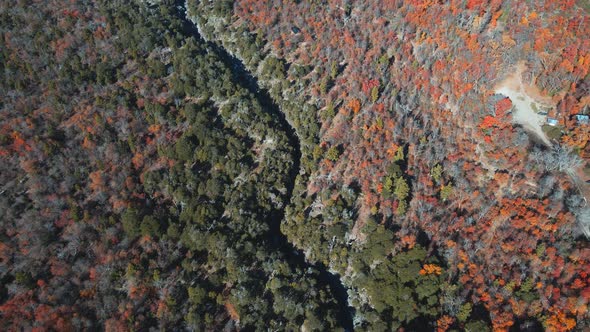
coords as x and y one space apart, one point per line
507 218
412 175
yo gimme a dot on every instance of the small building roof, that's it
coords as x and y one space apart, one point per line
583 118
552 122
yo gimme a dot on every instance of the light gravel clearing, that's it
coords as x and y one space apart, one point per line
525 106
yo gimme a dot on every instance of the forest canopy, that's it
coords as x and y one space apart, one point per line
281 165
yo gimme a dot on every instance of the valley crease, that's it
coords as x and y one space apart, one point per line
276 239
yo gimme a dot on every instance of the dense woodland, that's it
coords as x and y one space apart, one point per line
307 165
140 181
414 142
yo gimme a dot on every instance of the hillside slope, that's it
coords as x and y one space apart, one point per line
415 148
